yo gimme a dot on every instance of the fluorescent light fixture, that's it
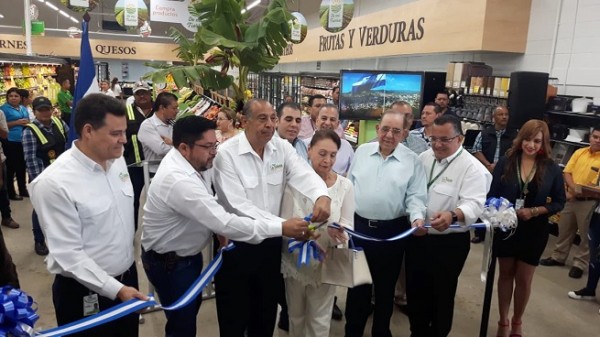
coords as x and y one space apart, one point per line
49 4
252 5
73 19
41 0
1 16
66 15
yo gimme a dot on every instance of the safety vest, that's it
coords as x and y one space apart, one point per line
50 145
133 149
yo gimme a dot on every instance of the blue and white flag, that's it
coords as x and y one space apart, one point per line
86 82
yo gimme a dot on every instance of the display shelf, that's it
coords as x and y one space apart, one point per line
22 76
567 142
473 120
574 114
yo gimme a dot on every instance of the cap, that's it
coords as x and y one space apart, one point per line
41 102
140 85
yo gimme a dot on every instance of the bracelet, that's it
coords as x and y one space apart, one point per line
534 211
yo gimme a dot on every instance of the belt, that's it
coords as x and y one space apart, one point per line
372 223
585 199
170 257
122 276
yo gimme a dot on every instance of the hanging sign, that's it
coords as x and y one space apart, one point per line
174 12
298 28
131 14
335 15
80 5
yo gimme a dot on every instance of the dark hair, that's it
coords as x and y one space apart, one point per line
189 129
24 93
326 134
312 98
291 105
596 128
163 99
443 92
529 130
436 107
11 90
330 106
62 81
247 108
333 89
113 82
92 109
449 119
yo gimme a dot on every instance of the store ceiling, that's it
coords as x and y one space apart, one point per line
57 24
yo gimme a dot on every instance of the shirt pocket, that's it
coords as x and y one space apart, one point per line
249 182
93 211
275 177
445 190
127 190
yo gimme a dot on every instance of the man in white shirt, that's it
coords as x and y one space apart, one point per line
251 172
457 185
329 118
180 215
156 132
85 205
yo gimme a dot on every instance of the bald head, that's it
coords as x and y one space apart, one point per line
500 117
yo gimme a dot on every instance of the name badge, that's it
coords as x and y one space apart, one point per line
519 203
90 305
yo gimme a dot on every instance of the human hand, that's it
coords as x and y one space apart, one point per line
126 293
223 241
441 221
491 167
167 140
296 228
524 214
322 209
419 223
23 121
338 236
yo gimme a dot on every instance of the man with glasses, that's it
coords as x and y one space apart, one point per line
251 173
391 196
156 132
309 123
457 185
181 214
137 112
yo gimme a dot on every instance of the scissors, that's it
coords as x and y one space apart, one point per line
313 227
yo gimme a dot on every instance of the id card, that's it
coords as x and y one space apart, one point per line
519 203
90 305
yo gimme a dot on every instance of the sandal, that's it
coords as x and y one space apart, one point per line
512 334
502 328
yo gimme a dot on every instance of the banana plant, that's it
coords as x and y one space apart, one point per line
226 39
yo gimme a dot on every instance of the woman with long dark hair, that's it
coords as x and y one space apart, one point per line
17 117
529 179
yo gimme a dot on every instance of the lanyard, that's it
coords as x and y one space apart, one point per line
523 184
432 180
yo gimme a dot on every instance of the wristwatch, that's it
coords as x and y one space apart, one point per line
454 217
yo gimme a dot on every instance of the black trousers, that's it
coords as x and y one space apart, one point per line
4 201
67 295
15 166
136 174
433 265
385 261
248 287
8 271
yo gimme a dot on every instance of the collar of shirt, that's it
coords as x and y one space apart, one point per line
181 162
245 147
87 161
397 154
589 149
450 157
41 125
156 121
499 133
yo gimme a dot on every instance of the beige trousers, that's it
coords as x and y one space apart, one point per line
309 308
575 216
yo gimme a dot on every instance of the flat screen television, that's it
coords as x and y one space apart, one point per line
365 94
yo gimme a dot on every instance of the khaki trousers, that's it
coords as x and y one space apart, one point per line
309 308
575 216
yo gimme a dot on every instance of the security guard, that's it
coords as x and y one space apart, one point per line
43 141
134 155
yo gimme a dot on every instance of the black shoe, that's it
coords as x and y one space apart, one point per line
575 272
283 324
24 194
15 197
10 223
337 313
582 294
550 262
41 248
403 308
476 239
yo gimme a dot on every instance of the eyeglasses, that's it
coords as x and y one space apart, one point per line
208 147
443 140
395 132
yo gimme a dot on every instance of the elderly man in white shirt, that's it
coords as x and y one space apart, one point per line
457 185
156 132
181 214
252 170
84 201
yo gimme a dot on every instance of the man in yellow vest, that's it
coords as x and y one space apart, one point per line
43 141
134 154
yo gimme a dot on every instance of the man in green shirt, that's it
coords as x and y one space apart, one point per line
65 100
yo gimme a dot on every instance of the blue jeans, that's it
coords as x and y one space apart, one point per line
38 235
594 265
171 277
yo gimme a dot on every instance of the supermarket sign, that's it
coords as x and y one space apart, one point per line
102 49
421 27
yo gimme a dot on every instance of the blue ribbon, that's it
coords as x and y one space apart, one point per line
306 250
135 305
17 315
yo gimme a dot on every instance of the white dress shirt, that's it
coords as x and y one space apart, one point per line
250 186
87 216
386 189
181 213
150 135
464 184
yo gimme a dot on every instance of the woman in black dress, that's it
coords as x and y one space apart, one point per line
534 184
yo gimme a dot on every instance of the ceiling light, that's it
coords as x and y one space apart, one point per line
1 16
252 5
49 4
73 19
66 15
